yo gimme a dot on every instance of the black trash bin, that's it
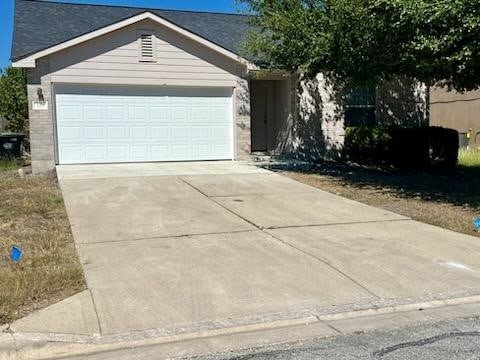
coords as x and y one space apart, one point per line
11 145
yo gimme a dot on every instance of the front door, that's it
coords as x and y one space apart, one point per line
261 94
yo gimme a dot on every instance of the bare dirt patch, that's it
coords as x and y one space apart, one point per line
33 217
450 201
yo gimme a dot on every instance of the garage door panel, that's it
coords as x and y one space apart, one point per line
115 112
160 151
124 125
139 132
138 152
117 153
117 133
94 133
159 113
93 112
95 153
74 153
181 151
70 133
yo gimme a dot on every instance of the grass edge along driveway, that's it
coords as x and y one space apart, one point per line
33 217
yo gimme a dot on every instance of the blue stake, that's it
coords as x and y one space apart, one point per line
476 224
15 254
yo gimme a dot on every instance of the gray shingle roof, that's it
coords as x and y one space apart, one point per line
40 24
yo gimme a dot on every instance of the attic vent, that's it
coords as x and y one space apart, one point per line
147 46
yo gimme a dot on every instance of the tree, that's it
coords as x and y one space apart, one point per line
361 41
13 99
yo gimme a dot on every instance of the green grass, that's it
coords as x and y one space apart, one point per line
10 165
469 158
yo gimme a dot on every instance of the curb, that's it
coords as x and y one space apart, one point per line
26 346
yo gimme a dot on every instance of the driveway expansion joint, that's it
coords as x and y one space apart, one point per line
99 324
222 206
152 238
337 224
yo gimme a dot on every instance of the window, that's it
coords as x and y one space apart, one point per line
147 49
360 106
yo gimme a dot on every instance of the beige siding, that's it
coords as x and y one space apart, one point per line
114 59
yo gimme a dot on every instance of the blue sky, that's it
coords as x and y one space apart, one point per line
6 14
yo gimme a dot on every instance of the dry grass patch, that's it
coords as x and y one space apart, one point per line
33 217
450 201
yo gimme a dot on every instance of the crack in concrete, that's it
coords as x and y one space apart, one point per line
327 263
424 342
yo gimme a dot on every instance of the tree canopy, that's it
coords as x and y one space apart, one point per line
13 99
434 41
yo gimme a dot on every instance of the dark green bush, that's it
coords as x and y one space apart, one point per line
423 147
367 143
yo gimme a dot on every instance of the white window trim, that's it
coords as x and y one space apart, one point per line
142 58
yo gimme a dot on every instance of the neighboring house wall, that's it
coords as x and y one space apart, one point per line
457 111
114 59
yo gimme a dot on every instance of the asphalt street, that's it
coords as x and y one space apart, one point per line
458 339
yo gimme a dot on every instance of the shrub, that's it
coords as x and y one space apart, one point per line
423 147
367 143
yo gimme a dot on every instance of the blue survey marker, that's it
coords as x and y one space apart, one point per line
476 223
15 254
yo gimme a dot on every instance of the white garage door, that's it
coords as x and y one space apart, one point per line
131 124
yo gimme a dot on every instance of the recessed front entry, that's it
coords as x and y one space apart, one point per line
139 124
270 104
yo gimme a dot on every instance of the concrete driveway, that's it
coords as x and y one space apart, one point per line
182 248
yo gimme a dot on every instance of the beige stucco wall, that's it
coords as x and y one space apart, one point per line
114 59
459 111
